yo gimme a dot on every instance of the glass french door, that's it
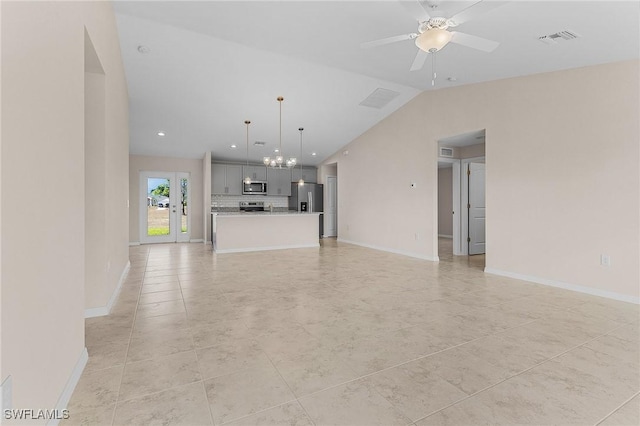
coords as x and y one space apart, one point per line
164 207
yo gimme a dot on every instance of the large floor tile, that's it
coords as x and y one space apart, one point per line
183 405
290 414
463 370
105 354
317 371
96 389
230 357
352 336
355 403
158 343
98 416
246 392
627 415
145 377
414 390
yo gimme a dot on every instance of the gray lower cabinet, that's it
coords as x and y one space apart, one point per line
226 179
256 173
309 174
279 182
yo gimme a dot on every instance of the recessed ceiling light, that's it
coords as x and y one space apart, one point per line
314 154
276 150
143 49
234 146
161 133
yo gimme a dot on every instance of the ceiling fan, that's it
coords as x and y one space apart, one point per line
433 31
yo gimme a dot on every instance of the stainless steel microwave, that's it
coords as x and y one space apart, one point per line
254 188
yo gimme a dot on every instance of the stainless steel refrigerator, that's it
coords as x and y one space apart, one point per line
308 197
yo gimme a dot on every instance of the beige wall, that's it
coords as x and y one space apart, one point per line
43 194
445 201
472 151
562 174
139 163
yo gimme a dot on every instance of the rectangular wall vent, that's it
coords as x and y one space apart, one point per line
446 152
556 37
379 98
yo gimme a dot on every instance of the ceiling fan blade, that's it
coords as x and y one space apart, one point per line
415 9
474 41
475 10
418 62
388 40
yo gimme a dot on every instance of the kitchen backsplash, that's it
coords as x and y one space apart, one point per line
232 201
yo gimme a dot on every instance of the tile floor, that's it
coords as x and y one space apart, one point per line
351 336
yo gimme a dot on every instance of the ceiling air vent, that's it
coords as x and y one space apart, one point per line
559 36
446 152
379 98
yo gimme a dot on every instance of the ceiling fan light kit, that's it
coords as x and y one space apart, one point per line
433 32
433 40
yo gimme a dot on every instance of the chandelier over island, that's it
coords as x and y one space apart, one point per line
278 161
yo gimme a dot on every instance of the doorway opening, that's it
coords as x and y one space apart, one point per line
330 173
461 198
165 215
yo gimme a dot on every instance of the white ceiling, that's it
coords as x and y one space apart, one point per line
464 139
213 64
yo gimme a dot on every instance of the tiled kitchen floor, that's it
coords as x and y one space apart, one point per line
352 336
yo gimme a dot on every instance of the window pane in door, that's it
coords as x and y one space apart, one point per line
184 205
158 206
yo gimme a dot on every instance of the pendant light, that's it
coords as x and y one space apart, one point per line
301 181
278 160
247 178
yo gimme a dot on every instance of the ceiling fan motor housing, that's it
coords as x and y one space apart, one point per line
440 23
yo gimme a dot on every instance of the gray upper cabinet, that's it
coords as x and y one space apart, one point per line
309 174
226 179
279 182
256 173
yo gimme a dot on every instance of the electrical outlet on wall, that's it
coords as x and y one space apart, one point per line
605 260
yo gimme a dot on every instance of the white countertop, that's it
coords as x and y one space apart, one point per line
263 214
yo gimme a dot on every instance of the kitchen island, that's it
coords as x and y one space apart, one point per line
241 232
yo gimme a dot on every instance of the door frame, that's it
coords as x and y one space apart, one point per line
456 175
175 225
464 199
335 204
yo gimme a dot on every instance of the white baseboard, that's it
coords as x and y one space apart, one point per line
389 250
134 243
197 240
105 310
566 286
65 397
445 236
244 250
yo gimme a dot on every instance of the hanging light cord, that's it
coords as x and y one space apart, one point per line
433 69
301 129
280 153
247 122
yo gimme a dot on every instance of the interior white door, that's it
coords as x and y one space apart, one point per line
331 210
477 208
164 207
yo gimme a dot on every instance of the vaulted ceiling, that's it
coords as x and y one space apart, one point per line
197 70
